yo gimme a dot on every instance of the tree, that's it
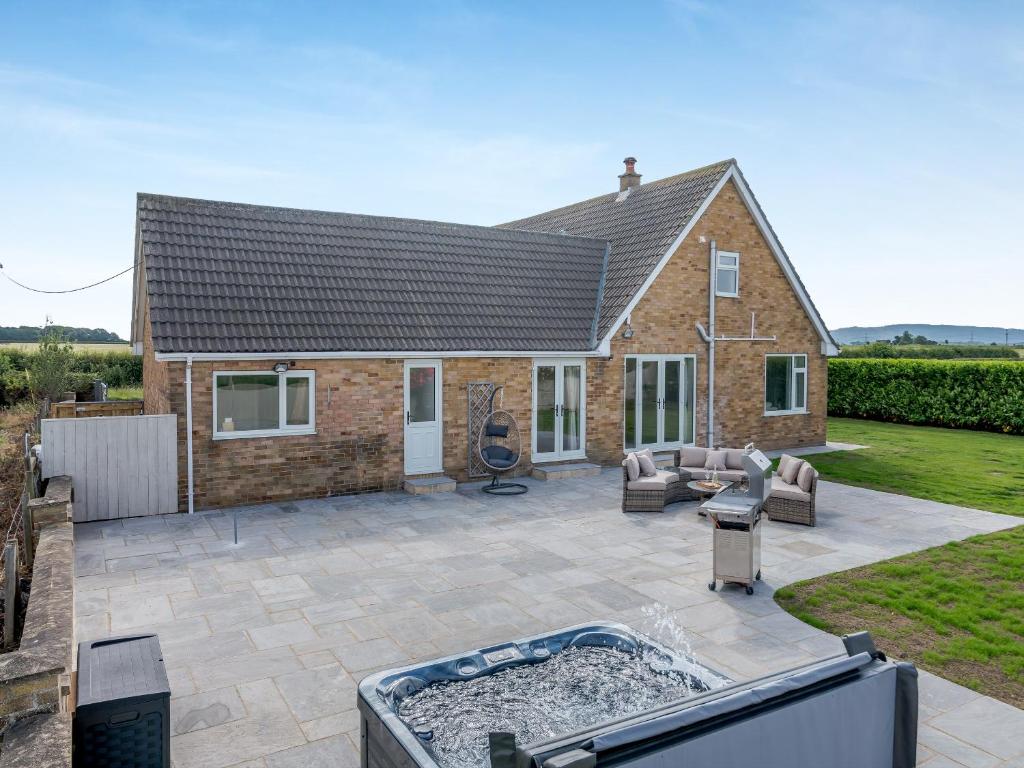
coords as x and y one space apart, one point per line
50 370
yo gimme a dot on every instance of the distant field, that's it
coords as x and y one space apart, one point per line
82 347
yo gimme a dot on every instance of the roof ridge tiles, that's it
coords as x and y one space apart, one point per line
351 219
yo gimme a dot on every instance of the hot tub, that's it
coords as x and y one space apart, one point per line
854 710
440 714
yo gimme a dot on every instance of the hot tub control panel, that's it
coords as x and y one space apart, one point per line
499 655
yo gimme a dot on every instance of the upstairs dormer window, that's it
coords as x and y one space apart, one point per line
727 274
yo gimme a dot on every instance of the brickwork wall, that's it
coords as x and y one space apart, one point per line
359 441
156 387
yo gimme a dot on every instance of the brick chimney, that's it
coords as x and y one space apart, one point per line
630 178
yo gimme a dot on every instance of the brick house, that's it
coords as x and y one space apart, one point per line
309 353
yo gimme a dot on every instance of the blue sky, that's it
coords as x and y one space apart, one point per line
884 141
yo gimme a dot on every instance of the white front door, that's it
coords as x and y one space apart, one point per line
423 424
559 409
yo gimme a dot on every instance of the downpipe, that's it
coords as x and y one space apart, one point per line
188 430
710 338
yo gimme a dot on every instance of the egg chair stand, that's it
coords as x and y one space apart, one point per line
500 448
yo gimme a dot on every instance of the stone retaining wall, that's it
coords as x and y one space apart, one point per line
35 679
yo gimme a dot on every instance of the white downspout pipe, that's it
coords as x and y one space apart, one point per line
712 288
188 429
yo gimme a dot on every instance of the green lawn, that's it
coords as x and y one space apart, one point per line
984 470
956 610
124 393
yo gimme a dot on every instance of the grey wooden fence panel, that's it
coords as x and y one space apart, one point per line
121 466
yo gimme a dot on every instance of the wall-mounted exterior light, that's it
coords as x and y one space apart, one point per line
280 367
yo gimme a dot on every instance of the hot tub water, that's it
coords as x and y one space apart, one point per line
575 688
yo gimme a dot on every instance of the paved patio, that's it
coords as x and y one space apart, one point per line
265 641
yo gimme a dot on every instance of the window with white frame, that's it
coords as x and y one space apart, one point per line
785 384
255 404
727 274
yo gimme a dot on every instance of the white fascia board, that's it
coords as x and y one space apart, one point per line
828 347
603 350
667 255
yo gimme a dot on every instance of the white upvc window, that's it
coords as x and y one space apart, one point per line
263 403
727 274
785 384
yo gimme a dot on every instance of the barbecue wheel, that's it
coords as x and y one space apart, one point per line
750 590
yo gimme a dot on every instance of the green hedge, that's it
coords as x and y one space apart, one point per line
117 369
986 395
937 351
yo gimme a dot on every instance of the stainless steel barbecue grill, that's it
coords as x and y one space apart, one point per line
736 516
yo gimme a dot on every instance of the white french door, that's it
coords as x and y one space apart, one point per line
659 393
423 422
559 410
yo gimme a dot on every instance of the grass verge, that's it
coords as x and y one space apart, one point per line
955 610
983 470
124 393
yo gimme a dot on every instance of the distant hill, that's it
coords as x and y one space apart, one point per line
954 334
85 335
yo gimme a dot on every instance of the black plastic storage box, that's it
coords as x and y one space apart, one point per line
123 715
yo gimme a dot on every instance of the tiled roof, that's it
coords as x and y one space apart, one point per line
640 228
225 277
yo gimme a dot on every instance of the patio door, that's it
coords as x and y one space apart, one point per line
659 401
423 423
559 409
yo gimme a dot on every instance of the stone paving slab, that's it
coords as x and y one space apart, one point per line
266 640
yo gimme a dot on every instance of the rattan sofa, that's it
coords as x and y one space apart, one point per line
653 500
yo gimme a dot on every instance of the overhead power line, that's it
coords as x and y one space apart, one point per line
68 290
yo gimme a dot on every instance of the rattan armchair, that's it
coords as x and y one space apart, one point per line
793 510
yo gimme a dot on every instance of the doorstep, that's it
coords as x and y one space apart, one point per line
565 471
420 485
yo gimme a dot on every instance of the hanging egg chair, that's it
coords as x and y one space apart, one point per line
500 447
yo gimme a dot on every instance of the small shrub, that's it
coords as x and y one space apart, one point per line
986 395
13 387
49 370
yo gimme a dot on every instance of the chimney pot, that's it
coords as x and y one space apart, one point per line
630 178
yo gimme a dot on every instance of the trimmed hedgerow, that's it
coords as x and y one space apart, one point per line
884 349
986 395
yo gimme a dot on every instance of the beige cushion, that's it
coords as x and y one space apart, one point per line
715 460
699 473
792 470
783 490
692 457
647 465
784 462
632 466
734 458
662 478
730 475
805 476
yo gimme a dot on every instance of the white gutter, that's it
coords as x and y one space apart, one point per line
188 429
603 350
